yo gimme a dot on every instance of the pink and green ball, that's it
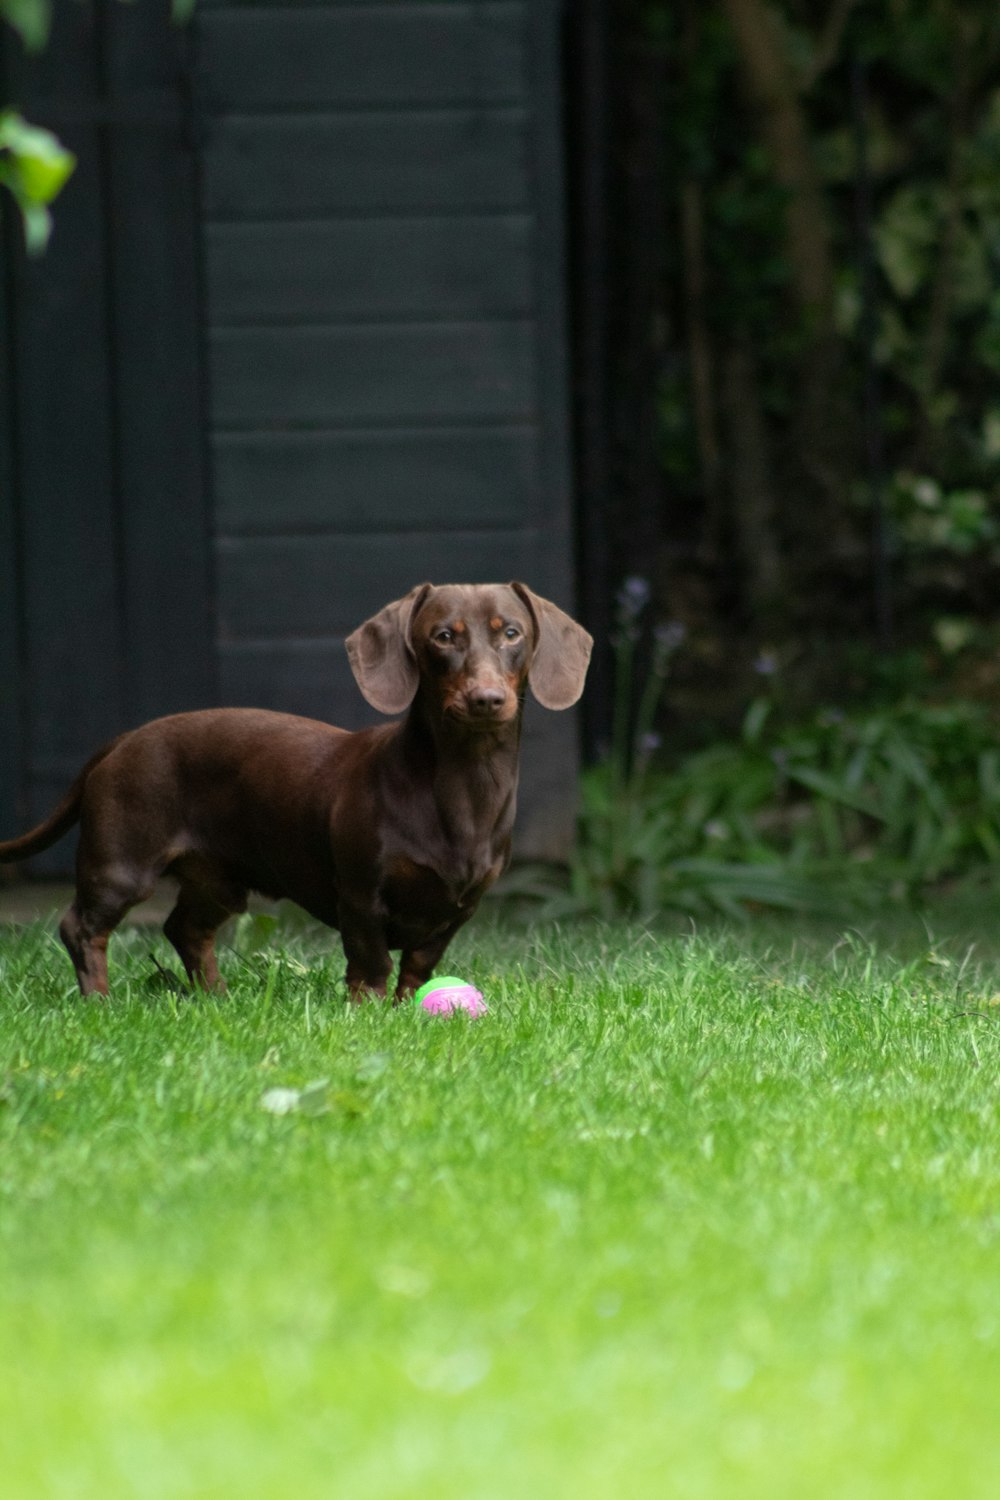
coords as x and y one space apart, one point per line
445 994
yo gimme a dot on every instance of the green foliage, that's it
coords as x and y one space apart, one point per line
932 520
847 808
931 140
34 167
844 809
706 1216
30 18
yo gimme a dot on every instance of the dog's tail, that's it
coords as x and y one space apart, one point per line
60 820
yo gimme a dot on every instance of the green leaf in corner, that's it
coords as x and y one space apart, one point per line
41 162
30 18
34 166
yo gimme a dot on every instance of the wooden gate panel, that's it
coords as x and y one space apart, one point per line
371 479
106 511
64 440
386 326
167 607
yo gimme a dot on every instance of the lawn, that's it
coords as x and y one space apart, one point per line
692 1214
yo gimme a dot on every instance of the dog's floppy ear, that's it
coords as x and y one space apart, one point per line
381 654
562 652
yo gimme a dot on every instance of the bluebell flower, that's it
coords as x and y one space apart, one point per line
634 595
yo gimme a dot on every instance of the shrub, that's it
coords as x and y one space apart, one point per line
842 809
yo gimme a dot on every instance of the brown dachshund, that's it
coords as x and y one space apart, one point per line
391 834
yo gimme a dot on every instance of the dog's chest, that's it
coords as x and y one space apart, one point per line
420 895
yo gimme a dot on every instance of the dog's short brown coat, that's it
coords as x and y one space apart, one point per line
391 834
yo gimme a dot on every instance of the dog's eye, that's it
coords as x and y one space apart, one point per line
512 633
444 637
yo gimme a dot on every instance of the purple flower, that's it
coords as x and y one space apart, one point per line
633 596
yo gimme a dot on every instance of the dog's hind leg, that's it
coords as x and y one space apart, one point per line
200 911
89 923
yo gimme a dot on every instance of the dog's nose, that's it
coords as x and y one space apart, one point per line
486 700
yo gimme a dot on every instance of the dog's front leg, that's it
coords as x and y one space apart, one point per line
366 951
416 965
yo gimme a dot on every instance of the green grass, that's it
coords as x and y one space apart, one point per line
699 1215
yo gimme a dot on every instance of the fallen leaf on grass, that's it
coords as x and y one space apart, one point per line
372 1066
310 1100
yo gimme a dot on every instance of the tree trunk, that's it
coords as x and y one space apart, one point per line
701 359
751 479
772 88
638 249
935 350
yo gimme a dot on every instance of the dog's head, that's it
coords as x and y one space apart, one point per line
474 646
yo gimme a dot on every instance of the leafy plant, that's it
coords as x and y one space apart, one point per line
30 18
828 309
34 164
34 167
841 809
647 841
